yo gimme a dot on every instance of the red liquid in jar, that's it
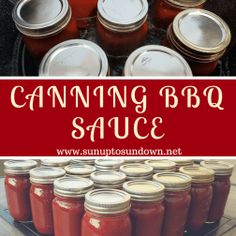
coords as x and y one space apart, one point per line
146 218
41 196
120 43
17 193
202 68
67 215
201 195
176 212
102 225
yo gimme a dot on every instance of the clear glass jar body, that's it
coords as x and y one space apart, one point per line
67 215
120 43
94 224
17 189
147 218
41 197
221 189
201 196
176 212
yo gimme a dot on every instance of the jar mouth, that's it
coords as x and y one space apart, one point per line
203 41
42 28
183 4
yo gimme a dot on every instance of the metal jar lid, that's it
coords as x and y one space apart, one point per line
55 162
108 164
198 174
107 201
183 4
108 179
80 170
134 160
185 162
46 175
74 187
144 190
137 170
19 167
155 60
161 165
83 161
122 15
76 57
201 30
220 167
173 181
39 19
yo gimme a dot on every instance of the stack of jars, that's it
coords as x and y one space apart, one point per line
128 199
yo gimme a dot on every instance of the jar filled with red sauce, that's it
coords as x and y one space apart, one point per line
121 25
161 165
221 188
184 162
41 197
75 58
108 179
137 171
201 195
177 201
43 24
107 213
147 209
55 162
17 187
79 170
108 164
165 11
201 37
68 205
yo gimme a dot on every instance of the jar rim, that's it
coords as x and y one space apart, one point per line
108 164
55 162
79 169
163 164
19 167
136 170
186 3
219 167
107 177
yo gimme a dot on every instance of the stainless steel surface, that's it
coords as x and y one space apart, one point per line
75 57
202 30
154 60
122 15
41 18
144 191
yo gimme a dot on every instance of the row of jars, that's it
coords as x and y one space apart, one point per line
113 198
195 37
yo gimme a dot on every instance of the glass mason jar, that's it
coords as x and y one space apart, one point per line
43 24
201 195
79 170
57 162
201 37
221 188
165 11
177 201
41 197
107 213
181 163
155 60
137 171
108 164
147 209
65 60
68 205
17 187
121 25
108 179
161 165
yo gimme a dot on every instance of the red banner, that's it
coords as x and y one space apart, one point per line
117 117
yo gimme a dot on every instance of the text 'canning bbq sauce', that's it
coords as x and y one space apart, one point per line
121 25
43 24
201 195
68 205
41 197
177 201
147 209
17 187
221 187
201 37
107 213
